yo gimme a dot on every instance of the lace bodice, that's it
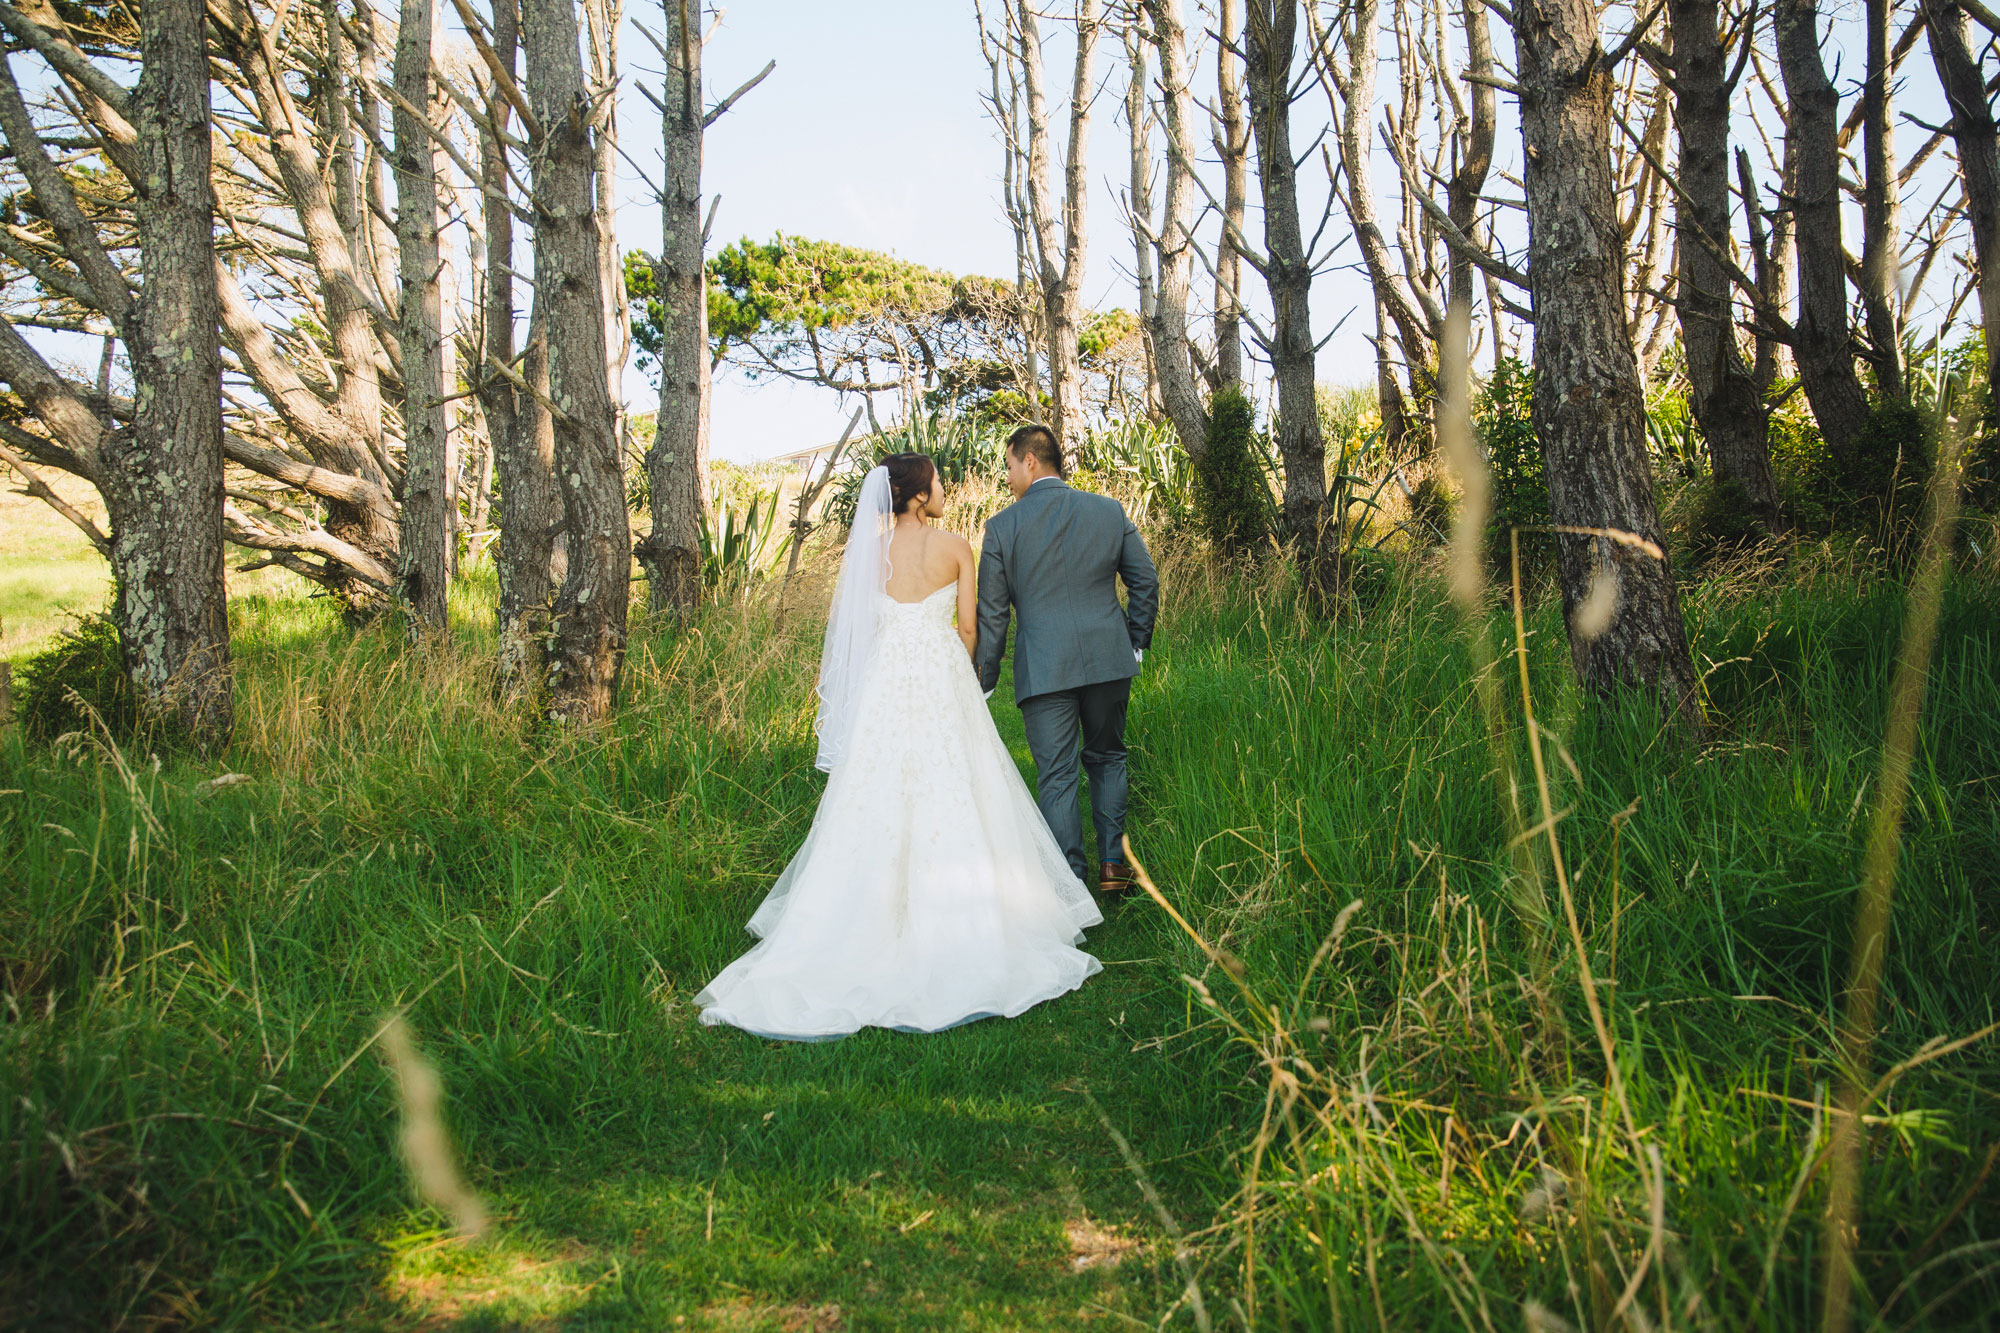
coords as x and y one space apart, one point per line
919 629
937 606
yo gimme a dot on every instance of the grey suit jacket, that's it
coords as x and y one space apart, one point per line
1055 558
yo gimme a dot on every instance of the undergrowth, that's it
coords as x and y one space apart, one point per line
1379 1098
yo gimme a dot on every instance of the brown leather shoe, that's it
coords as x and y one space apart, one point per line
1115 877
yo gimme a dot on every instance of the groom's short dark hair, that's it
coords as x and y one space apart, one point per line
1038 440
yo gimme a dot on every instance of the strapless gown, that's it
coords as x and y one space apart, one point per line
929 891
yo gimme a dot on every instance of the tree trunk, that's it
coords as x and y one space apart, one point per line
518 425
1002 53
1589 406
531 513
1139 203
1462 194
429 479
1060 250
373 237
1390 404
1357 103
337 131
164 474
1270 34
1173 361
1972 130
1723 393
1880 298
588 625
1771 256
1232 146
677 464
604 18
1824 350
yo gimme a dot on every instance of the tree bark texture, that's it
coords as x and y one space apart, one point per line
1271 33
1173 359
1462 194
588 624
1232 146
1061 244
1139 199
336 130
1771 259
429 503
373 234
1413 333
1390 404
517 423
1973 131
163 476
1721 388
1589 406
677 463
1824 349
1880 298
602 19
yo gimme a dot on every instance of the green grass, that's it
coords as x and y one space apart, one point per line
48 570
50 574
38 595
190 969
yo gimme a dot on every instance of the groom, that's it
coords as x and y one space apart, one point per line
1055 556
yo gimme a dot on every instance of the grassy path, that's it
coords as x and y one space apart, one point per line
883 1182
543 912
959 1180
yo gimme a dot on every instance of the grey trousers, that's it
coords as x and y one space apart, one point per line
1092 717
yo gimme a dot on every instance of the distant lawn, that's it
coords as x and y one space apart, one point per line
48 570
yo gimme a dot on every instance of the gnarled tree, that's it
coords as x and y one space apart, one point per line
1589 404
1721 389
587 626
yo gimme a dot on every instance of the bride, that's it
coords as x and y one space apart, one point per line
929 891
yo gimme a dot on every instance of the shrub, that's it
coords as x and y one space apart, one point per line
1718 520
83 662
1350 422
1877 493
1145 461
1232 505
1502 418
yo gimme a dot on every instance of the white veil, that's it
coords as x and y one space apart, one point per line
850 628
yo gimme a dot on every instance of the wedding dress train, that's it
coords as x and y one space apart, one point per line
929 891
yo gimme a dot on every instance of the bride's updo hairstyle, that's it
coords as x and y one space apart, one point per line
910 478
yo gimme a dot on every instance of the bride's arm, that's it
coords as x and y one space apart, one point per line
968 599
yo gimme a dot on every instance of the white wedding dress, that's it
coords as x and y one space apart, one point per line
929 891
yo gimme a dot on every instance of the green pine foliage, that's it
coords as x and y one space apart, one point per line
1232 502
